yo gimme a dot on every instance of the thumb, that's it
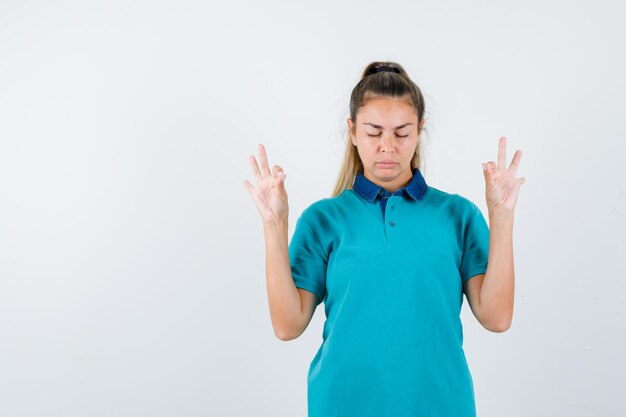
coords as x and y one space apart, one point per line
278 173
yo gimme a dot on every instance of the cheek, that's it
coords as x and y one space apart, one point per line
410 145
367 155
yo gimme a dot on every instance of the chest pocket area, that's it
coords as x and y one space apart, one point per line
353 267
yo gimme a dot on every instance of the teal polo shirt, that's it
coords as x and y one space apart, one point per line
390 268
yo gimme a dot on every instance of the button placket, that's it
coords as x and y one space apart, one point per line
391 220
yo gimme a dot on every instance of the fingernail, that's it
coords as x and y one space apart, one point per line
484 167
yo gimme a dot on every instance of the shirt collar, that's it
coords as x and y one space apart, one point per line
370 191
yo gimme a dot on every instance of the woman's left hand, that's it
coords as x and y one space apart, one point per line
502 188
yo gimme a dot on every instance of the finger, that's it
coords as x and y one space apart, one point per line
265 168
502 153
492 179
279 174
255 169
248 186
515 162
488 175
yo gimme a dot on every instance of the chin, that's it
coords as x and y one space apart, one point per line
396 169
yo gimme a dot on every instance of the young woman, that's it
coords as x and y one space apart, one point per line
390 257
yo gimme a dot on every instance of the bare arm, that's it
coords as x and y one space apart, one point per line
492 295
498 287
291 308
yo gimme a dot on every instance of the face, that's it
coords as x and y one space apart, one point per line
386 136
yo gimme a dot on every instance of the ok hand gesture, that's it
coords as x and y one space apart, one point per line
269 194
501 186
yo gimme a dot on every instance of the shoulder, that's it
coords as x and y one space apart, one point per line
328 207
456 203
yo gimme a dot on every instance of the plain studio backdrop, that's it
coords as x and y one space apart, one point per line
132 263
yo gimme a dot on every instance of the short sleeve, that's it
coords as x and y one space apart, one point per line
308 258
475 245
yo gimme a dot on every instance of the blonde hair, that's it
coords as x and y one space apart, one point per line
373 84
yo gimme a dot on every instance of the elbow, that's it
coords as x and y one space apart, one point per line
499 327
283 336
498 322
286 335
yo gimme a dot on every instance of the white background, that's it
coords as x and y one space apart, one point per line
132 257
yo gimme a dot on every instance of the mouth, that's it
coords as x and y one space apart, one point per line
386 164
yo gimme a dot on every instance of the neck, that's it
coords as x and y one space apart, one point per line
391 184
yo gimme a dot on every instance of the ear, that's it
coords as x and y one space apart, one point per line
352 138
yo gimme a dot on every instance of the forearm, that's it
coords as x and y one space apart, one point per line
284 297
497 291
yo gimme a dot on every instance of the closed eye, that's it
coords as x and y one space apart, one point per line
375 136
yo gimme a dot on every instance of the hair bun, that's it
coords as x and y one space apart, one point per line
382 68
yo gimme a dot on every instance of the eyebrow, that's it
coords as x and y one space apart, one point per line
380 127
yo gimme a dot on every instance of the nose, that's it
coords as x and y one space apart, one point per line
387 143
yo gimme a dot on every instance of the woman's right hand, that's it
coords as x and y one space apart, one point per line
269 194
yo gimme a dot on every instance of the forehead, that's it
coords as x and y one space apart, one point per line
387 112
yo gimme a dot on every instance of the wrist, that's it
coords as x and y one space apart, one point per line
280 224
501 214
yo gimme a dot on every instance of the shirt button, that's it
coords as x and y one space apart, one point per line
392 224
392 206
